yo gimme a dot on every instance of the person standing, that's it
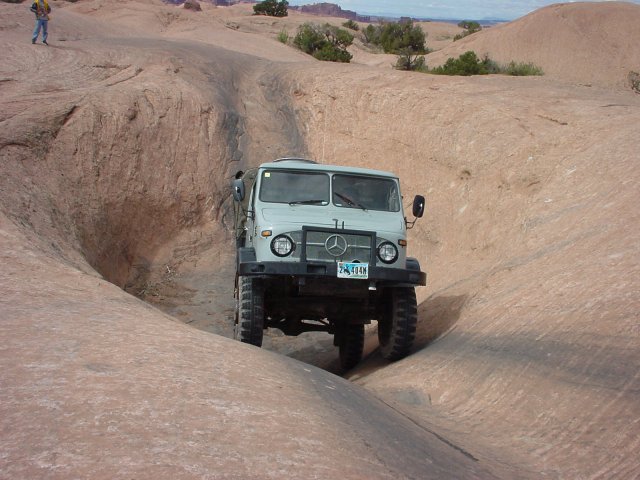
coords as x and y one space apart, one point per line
42 10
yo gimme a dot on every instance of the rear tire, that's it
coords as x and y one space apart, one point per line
397 325
250 326
351 345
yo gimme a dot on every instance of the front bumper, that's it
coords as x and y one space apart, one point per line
248 266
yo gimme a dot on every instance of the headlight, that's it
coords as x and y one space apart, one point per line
281 246
387 252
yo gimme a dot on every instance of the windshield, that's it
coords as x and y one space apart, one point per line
367 193
312 188
306 188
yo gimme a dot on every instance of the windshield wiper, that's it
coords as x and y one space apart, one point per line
307 202
349 201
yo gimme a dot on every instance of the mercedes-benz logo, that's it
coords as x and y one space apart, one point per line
336 245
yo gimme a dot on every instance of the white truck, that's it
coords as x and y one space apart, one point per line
324 248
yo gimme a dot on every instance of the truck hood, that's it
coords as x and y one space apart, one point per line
296 216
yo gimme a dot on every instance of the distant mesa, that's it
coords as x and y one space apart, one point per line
219 3
330 10
323 9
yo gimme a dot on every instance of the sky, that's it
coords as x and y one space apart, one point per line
441 9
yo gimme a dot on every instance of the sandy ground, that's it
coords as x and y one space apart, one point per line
116 149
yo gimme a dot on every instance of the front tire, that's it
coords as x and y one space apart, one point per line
351 346
250 314
397 325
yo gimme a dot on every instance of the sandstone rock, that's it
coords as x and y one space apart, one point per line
115 163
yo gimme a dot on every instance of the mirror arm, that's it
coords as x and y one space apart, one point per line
409 224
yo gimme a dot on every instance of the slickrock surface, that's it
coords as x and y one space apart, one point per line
117 144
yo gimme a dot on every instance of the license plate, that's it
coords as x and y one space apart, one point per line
353 270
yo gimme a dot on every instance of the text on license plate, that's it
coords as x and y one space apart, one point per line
353 270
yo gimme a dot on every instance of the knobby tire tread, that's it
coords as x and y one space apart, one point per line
251 318
403 316
351 346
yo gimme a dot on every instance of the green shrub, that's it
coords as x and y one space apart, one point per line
371 34
469 64
309 38
466 64
283 36
273 8
469 28
351 25
407 60
395 36
391 37
325 42
332 53
472 27
521 69
337 36
491 67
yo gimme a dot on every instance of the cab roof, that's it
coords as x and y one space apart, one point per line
310 165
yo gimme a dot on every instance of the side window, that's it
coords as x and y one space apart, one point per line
393 199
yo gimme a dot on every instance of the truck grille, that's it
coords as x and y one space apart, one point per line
328 245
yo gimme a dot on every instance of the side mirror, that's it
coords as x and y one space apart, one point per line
238 189
418 206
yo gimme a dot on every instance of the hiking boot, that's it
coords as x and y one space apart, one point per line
45 42
33 41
